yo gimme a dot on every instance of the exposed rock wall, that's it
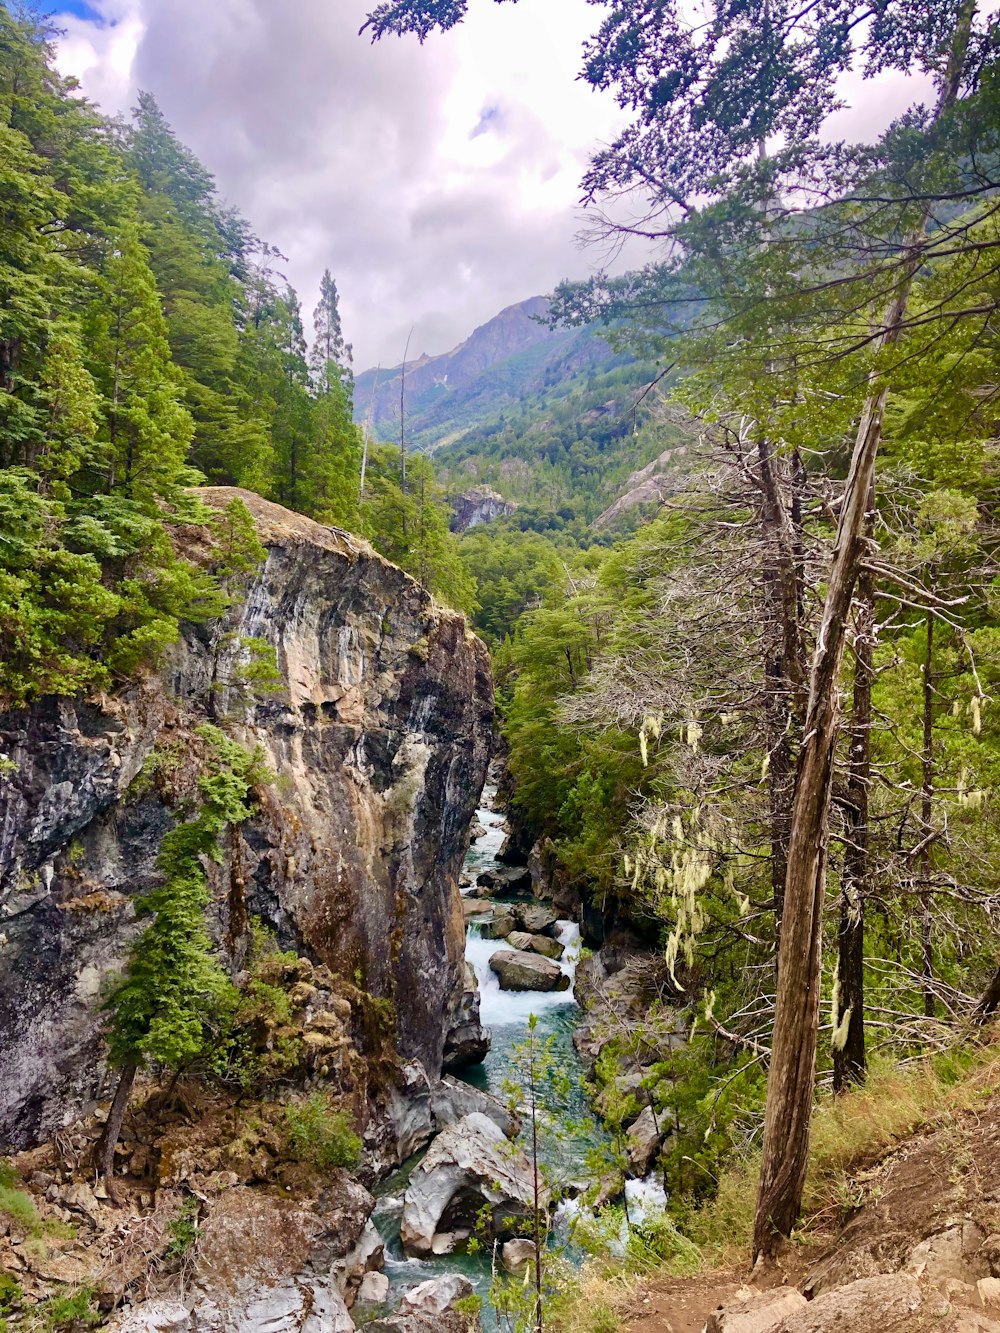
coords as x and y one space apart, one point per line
379 738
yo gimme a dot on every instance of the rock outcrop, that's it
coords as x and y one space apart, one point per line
482 504
471 1176
378 735
466 1041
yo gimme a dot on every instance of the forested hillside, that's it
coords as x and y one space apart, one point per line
782 687
150 341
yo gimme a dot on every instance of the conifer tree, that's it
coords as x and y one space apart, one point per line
331 354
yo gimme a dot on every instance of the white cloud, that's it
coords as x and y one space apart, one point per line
438 183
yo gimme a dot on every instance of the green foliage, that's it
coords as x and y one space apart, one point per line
317 1133
173 985
183 1230
411 527
20 1209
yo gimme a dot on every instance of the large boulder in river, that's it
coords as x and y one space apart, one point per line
430 1308
471 1174
501 924
543 944
509 881
527 971
453 1100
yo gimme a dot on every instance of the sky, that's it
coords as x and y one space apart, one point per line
437 183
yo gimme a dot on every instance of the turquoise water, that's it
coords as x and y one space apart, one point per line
506 1014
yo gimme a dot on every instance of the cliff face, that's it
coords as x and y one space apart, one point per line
378 736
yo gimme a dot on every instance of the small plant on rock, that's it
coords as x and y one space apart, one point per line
317 1133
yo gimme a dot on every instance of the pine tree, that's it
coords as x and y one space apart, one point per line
331 356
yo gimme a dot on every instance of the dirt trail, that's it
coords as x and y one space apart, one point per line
927 1212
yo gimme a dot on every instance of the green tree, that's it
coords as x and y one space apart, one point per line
173 984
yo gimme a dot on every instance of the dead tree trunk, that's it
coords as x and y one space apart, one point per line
926 829
791 1078
113 1128
784 665
849 1036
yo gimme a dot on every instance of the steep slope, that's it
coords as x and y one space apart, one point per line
378 737
501 363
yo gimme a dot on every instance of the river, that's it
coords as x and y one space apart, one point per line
506 1014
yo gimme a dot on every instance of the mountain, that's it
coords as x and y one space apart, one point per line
509 358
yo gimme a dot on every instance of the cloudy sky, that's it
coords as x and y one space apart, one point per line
438 183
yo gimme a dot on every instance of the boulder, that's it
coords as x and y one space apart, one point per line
477 831
466 1041
953 1253
643 1143
501 924
886 1304
472 906
756 1311
542 944
438 1294
517 1255
152 1317
527 971
536 918
470 1173
453 1100
374 1289
408 1110
506 881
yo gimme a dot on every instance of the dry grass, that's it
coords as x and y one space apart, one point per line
597 1302
849 1132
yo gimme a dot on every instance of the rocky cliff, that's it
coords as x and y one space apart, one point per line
378 736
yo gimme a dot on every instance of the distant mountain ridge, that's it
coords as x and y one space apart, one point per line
503 361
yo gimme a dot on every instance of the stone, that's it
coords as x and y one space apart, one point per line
501 924
536 918
477 831
517 1255
353 857
438 1294
756 1312
643 1143
548 948
527 971
470 1172
268 1264
955 1253
466 1041
885 1304
152 1317
408 1110
374 1289
473 907
506 881
453 1100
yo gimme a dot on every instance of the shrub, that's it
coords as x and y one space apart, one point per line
319 1134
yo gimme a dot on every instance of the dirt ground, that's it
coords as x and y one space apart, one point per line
945 1175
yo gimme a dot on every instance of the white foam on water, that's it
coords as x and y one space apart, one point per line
500 1007
645 1198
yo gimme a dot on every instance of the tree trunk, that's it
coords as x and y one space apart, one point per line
990 1002
790 1082
926 829
109 1139
784 668
849 1037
